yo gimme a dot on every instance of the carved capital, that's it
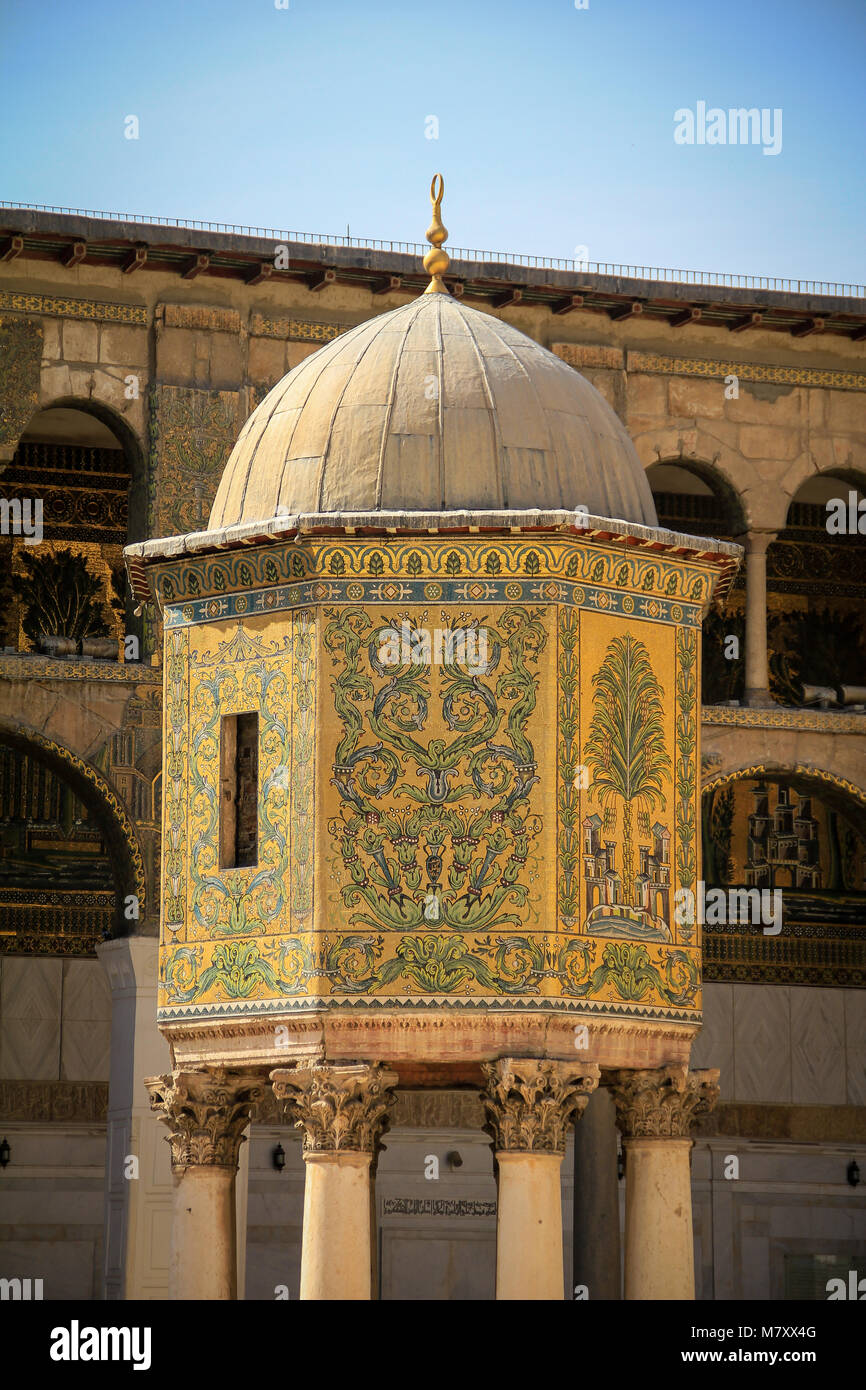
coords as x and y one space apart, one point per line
206 1110
529 1102
341 1108
662 1103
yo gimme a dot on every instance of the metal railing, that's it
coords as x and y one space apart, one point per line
662 274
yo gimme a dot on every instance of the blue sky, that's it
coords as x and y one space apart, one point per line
555 124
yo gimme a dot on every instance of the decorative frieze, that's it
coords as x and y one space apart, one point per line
199 316
54 1102
438 1110
662 1103
341 1108
821 721
20 364
530 1102
206 1111
61 306
28 666
295 330
437 1206
581 356
657 364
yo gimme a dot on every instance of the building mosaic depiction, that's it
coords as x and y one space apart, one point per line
402 645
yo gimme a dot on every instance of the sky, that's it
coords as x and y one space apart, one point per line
554 126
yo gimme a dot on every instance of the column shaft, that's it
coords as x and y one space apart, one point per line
204 1259
597 1260
336 1260
529 1226
659 1245
757 668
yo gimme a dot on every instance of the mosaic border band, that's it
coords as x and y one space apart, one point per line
821 721
656 363
283 597
60 306
296 330
318 1004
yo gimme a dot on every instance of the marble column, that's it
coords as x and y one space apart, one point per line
597 1260
529 1104
655 1112
343 1112
206 1110
757 544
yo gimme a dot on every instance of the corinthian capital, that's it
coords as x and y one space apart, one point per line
207 1110
663 1103
530 1101
341 1107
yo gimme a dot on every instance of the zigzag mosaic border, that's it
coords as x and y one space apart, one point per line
259 1009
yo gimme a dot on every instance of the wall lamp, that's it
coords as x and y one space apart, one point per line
278 1158
853 1172
6 1154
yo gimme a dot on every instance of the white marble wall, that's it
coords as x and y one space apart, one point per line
787 1199
785 1044
51 1207
55 1019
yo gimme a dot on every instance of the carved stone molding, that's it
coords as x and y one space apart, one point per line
438 1110
341 1108
207 1111
529 1102
663 1103
57 1102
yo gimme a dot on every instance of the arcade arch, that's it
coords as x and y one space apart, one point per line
72 496
816 595
693 496
71 867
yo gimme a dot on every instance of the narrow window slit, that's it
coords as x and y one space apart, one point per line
239 791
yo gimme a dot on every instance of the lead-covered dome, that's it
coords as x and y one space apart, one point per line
432 407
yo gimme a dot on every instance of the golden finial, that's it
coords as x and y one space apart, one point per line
437 261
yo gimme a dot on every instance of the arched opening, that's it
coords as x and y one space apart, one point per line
797 830
816 596
66 874
692 496
67 495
